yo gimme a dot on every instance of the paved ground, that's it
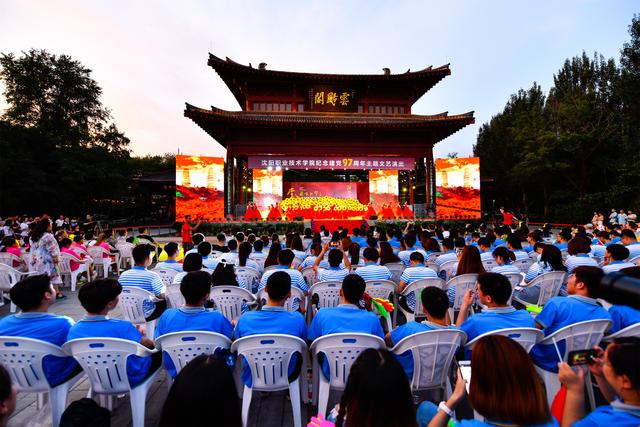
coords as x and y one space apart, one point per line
266 410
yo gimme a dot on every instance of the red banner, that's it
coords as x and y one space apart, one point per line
347 163
342 190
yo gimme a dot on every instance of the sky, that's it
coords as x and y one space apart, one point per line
150 57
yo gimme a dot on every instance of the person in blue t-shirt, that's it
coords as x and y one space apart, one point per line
98 298
346 317
617 373
435 305
171 263
273 319
494 290
559 312
195 287
33 296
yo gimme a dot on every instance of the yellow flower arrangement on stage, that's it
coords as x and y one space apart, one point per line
322 207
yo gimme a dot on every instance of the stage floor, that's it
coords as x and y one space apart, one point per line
333 224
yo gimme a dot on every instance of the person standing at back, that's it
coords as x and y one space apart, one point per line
187 232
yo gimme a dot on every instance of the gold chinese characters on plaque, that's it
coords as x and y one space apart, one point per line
331 99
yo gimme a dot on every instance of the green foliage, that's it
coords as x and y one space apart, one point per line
574 151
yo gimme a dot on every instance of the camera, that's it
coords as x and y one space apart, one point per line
620 289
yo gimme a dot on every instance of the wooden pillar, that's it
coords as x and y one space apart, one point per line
229 183
431 182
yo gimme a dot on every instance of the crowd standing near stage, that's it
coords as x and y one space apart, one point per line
505 263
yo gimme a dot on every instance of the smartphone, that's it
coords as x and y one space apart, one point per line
582 357
464 369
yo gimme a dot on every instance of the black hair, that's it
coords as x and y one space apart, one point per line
409 240
224 275
192 262
335 257
244 251
372 242
435 301
495 285
285 257
258 245
204 249
195 286
504 253
459 242
40 229
618 252
483 241
240 236
591 277
623 355
94 296
232 244
552 257
171 248
278 286
628 233
77 238
64 242
514 241
370 254
448 244
206 382
353 287
27 294
141 253
197 238
5 384
417 257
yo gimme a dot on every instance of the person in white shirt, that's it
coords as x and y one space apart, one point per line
172 251
334 272
515 245
232 256
370 270
243 260
614 258
628 238
449 254
258 255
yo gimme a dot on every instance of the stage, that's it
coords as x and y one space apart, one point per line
333 224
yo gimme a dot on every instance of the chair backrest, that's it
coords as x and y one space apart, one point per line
328 293
526 337
229 300
418 286
9 276
462 284
174 297
132 303
448 269
488 264
166 274
432 257
296 262
396 269
250 276
550 284
96 252
433 353
432 265
271 267
296 293
216 254
380 288
22 357
579 336
125 249
65 262
523 264
268 357
629 331
309 276
514 279
183 347
9 258
341 350
635 260
104 360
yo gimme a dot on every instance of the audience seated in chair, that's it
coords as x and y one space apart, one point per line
192 262
285 264
273 319
171 263
559 312
98 298
195 288
371 270
416 271
138 276
33 296
334 272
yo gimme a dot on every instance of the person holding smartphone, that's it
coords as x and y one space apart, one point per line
617 373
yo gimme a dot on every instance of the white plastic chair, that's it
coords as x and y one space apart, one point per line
416 287
271 267
579 336
629 331
216 254
65 269
396 269
340 351
635 260
523 264
104 360
296 262
182 347
23 359
514 279
432 353
9 259
250 276
166 274
296 293
309 275
132 305
432 265
101 262
126 255
432 257
384 289
461 284
174 297
550 284
9 276
526 337
328 296
449 269
229 300
268 357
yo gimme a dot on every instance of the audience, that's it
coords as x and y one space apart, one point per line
138 276
192 262
614 258
416 271
171 263
334 272
371 270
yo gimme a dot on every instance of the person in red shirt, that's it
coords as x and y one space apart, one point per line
187 232
507 217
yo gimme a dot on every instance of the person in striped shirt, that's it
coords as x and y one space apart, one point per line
285 260
515 245
449 253
628 238
371 270
204 249
416 271
138 276
409 241
484 245
579 248
316 248
550 260
504 257
614 258
334 272
171 263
